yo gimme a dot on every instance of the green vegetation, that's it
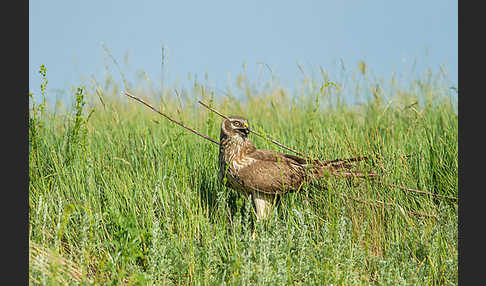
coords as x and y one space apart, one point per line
120 195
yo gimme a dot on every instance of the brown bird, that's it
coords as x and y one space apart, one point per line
263 174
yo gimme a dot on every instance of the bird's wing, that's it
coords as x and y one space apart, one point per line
274 156
275 175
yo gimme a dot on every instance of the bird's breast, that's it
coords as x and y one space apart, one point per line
232 159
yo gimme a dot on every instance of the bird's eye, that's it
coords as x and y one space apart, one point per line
237 124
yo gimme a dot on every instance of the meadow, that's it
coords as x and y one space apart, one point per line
118 195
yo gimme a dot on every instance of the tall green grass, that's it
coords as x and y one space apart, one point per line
119 195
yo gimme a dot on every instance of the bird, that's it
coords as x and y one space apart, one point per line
265 174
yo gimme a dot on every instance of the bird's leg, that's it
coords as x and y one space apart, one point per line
263 204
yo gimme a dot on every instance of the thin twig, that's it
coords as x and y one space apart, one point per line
168 117
254 132
389 204
213 110
418 191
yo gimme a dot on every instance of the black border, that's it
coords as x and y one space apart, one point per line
15 113
470 143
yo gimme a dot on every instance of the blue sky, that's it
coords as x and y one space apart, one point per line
217 37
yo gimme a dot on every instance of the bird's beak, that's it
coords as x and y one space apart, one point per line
247 128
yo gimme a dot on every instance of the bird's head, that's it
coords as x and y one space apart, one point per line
235 126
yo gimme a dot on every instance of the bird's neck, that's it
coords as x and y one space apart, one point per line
241 146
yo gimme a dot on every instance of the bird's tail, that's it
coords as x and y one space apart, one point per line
342 168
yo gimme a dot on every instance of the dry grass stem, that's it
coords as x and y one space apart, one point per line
390 204
168 117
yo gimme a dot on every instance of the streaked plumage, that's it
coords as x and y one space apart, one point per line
265 173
